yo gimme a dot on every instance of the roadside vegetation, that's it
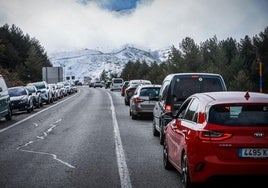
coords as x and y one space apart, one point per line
21 57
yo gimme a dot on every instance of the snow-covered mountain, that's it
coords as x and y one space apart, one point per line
91 63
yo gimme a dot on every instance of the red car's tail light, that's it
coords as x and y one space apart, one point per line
168 108
138 100
213 135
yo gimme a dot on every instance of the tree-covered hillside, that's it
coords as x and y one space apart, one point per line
243 64
21 57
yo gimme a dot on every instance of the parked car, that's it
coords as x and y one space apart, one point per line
218 134
37 99
175 89
143 100
123 88
116 84
62 89
45 91
132 86
21 99
5 105
68 87
97 84
54 91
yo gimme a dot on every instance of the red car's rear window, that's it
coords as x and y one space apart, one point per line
239 115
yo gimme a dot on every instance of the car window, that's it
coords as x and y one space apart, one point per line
191 113
3 84
239 115
149 91
17 92
186 86
182 111
165 90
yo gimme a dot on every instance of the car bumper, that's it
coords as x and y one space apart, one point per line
213 167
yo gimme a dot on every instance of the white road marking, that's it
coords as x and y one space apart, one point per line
121 160
45 134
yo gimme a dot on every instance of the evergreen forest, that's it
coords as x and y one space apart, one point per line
21 57
243 64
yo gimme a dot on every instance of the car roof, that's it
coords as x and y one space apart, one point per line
138 81
150 85
233 97
170 76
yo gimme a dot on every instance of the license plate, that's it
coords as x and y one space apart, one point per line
253 152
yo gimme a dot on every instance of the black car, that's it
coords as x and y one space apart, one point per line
175 89
21 99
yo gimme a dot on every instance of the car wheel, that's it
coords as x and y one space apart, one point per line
133 116
185 178
32 105
48 101
38 103
161 134
167 164
155 132
9 115
51 99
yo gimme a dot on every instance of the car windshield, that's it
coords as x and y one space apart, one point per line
239 115
40 85
16 92
30 89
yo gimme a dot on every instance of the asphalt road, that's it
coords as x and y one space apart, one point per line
86 140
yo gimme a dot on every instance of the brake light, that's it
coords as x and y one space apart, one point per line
138 100
195 76
213 135
168 108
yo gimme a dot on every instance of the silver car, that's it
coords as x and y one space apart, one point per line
143 100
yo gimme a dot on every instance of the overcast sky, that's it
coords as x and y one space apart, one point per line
63 25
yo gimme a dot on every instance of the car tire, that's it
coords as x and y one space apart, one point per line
161 133
184 176
155 132
38 103
8 117
167 164
133 116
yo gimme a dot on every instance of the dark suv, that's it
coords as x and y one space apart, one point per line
175 89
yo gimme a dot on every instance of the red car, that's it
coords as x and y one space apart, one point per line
123 88
217 134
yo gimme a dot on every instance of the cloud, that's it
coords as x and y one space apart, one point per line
64 25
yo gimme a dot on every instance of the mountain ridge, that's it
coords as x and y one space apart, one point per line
78 64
